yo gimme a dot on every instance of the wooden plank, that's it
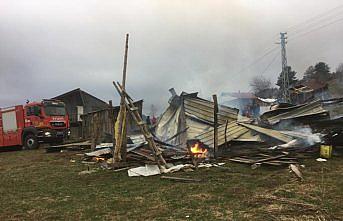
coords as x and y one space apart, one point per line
143 155
180 179
269 158
238 160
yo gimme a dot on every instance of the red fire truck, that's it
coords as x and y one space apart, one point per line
34 123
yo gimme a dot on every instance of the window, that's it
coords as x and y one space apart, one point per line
37 110
79 112
29 111
33 111
55 110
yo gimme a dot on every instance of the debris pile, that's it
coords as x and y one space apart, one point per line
296 114
189 136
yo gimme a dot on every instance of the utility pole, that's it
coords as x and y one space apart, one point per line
285 79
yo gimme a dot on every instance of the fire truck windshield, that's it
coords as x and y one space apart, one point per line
54 110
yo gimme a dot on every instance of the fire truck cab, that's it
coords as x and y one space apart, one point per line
34 123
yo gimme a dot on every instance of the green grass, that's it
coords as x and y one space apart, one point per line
39 186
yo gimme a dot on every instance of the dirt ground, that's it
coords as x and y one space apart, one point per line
35 185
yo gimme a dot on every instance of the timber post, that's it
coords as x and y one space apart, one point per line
215 125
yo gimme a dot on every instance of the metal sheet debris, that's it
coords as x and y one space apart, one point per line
268 132
99 152
147 170
313 109
234 131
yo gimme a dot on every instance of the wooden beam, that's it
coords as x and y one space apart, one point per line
215 117
111 113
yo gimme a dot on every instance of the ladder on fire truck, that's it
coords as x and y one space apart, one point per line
142 125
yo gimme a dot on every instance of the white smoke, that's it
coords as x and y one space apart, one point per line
311 138
304 137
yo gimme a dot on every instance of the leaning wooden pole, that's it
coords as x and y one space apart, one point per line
142 125
120 148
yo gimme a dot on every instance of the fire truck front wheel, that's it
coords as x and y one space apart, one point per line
30 142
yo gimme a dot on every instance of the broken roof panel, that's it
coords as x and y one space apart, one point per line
241 132
311 109
193 113
269 132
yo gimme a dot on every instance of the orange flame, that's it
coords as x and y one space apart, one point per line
198 151
97 159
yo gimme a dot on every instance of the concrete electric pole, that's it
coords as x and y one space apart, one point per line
285 79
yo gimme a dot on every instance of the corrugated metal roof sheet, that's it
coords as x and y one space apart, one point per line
241 131
234 131
314 108
193 113
202 110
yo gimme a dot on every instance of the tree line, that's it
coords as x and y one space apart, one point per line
263 87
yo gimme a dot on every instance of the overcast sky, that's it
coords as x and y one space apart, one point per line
50 47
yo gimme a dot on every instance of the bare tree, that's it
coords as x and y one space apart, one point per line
260 83
340 68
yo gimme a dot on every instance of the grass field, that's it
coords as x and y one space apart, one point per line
35 185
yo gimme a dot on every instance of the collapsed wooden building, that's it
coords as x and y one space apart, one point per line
82 107
79 102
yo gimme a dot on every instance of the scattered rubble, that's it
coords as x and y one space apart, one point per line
188 136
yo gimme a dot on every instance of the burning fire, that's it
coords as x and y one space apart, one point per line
198 151
99 159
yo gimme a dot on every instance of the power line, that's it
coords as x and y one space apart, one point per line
272 61
313 19
317 28
316 23
298 32
258 59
